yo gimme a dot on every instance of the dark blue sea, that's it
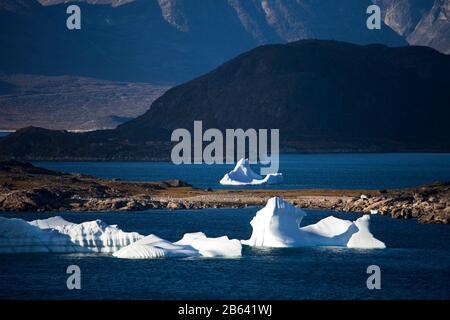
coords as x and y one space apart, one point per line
415 264
300 171
4 133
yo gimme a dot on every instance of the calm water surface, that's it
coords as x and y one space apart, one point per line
415 265
334 171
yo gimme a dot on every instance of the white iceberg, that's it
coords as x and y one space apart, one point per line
191 245
58 235
278 225
17 235
242 174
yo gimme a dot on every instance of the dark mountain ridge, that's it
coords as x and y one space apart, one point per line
322 95
314 88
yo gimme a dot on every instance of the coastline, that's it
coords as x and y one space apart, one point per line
25 188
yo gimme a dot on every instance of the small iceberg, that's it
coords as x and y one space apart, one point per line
60 236
278 225
242 174
191 245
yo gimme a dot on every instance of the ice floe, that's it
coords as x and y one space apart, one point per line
275 225
191 245
58 235
242 174
278 225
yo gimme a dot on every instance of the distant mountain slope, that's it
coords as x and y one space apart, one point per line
72 103
167 40
153 41
322 95
425 23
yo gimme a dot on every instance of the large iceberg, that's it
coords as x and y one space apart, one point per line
242 174
191 245
278 225
58 235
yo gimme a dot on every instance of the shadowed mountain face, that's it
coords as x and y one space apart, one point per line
322 95
322 89
167 40
164 42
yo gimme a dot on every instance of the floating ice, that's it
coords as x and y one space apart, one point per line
17 235
50 223
242 174
278 225
191 245
58 235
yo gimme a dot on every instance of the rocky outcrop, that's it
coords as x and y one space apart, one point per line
24 187
429 204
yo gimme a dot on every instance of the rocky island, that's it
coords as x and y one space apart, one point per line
24 187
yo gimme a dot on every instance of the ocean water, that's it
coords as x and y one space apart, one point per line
415 265
4 133
300 171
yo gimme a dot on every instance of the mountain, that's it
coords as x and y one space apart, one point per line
166 41
71 102
159 42
322 95
425 23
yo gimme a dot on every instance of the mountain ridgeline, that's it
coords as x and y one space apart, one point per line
324 96
167 41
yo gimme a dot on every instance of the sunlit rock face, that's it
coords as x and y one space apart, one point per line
424 23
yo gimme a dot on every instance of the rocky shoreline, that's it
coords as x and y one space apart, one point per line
24 187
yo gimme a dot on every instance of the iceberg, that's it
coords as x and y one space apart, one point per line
242 174
17 236
50 223
60 236
278 225
191 245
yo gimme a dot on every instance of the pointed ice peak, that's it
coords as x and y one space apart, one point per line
278 225
242 174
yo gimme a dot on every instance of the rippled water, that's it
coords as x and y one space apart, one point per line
415 265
